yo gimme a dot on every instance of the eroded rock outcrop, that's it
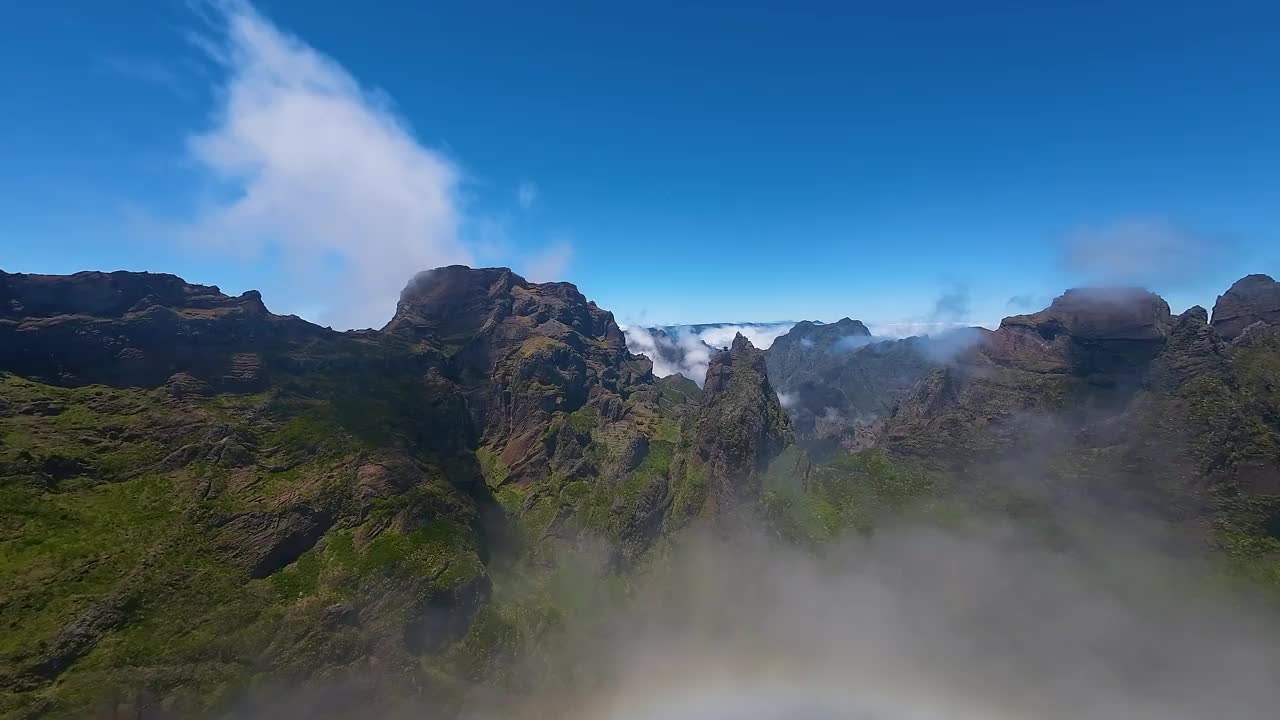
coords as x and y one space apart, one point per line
139 329
1253 298
522 353
740 425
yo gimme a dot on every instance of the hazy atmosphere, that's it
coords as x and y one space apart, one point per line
683 361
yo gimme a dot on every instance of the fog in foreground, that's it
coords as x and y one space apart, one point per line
916 623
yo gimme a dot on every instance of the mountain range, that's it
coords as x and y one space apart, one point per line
206 501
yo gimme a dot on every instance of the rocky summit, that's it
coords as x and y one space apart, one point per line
1251 299
206 502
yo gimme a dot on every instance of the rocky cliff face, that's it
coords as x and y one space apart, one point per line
321 495
524 354
1106 397
1252 299
1104 333
181 463
139 329
740 426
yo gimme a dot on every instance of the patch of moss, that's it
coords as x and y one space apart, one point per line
539 346
688 490
442 550
584 419
852 491
315 428
299 579
60 551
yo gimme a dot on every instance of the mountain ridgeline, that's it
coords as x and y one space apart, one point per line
205 501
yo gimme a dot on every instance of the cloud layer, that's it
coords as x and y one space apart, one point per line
687 349
314 168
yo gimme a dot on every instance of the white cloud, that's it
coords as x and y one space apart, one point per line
550 265
526 194
671 353
688 349
761 335
319 169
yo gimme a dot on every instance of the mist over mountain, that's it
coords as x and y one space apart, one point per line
687 349
493 507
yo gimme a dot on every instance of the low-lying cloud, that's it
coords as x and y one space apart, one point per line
911 623
906 329
687 349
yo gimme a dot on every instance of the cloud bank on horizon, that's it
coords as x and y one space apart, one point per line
687 349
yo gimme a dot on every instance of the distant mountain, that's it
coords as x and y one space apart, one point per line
837 379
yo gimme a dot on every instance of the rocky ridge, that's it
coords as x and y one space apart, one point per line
209 498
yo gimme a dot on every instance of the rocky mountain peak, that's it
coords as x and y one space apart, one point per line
522 354
457 303
1090 332
741 425
1253 298
849 326
1100 314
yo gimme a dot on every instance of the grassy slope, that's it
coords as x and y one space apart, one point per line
93 509
200 630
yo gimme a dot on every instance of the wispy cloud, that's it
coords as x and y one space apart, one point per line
552 264
911 328
1141 251
526 194
151 71
1021 302
315 168
952 305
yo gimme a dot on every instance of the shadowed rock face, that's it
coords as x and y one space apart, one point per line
1102 331
111 295
139 329
1253 298
522 352
275 439
740 426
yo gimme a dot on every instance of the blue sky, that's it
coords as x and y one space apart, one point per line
679 161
